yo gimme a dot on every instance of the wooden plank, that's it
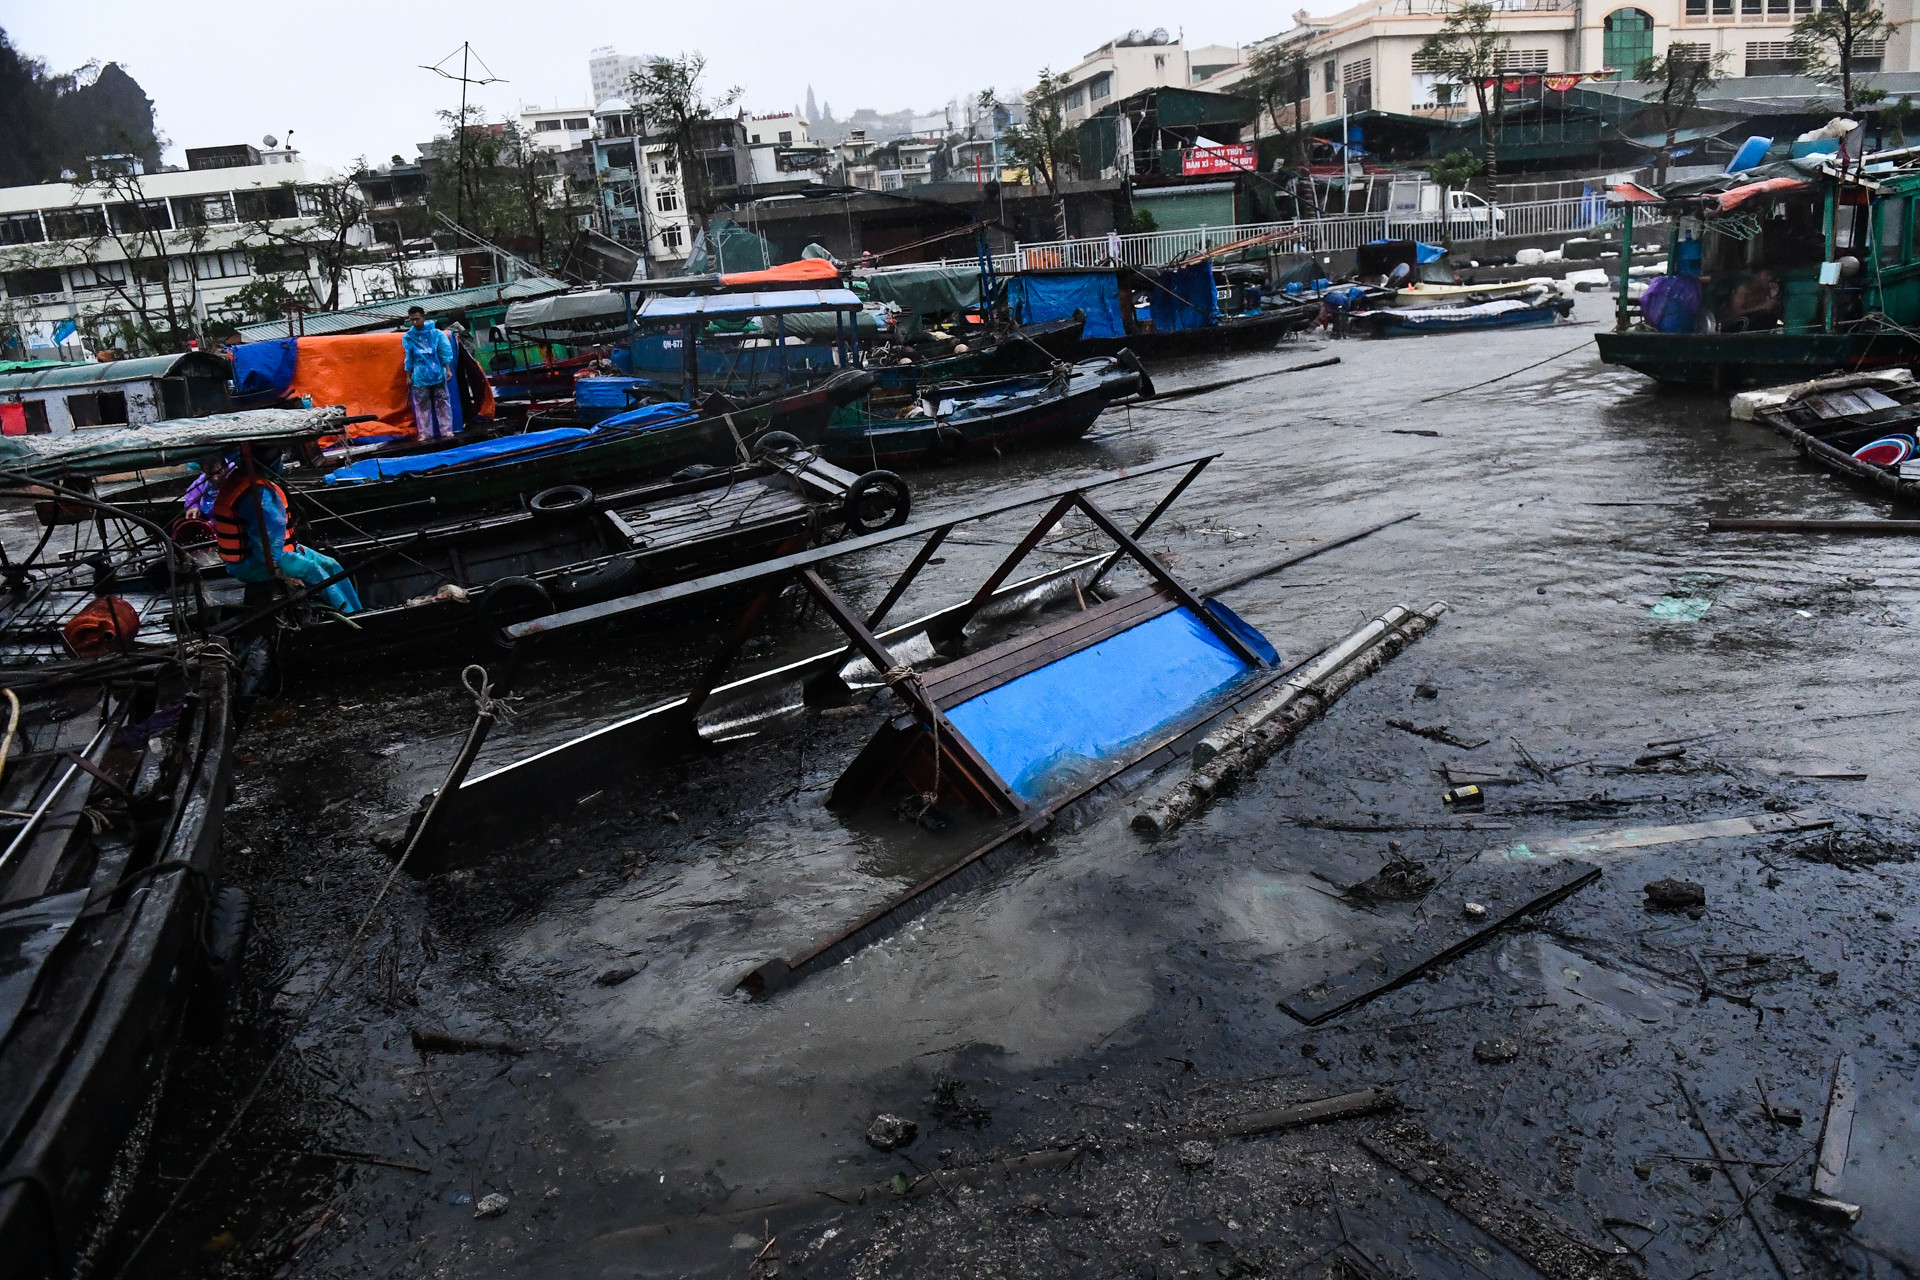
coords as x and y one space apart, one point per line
1870 528
1511 893
1758 824
1836 1130
1533 1232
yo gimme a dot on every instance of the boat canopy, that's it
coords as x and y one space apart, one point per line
568 311
114 449
189 364
740 306
925 291
1042 297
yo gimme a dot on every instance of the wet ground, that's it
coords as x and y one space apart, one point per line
1110 1000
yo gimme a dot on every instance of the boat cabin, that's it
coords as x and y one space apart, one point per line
119 393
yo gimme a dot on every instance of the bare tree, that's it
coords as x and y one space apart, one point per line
1682 73
1046 144
329 213
1832 35
670 102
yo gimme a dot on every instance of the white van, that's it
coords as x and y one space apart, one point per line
1417 200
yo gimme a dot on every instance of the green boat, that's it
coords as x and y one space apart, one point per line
1778 273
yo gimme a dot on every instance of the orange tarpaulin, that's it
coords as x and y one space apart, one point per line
802 274
365 373
1740 195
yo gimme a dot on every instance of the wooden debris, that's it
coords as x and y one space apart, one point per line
1836 1130
1532 1231
1759 824
1872 528
1786 1263
425 1042
1448 933
1438 733
1345 1106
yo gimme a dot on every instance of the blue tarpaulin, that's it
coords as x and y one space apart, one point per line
651 416
1040 299
264 369
503 449
1185 300
1041 729
1422 252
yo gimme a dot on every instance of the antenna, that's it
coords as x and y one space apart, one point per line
467 56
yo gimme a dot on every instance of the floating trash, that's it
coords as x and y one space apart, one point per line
1681 608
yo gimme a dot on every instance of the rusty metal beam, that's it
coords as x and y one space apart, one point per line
1164 576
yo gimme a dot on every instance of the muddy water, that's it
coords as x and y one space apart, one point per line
1109 988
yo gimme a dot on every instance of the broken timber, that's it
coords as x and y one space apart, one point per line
1532 1231
1447 934
1836 1138
1872 528
1758 824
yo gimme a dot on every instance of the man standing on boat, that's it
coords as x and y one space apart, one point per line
254 531
429 361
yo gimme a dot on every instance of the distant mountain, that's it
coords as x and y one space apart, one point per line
50 124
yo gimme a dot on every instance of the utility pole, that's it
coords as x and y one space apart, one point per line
467 58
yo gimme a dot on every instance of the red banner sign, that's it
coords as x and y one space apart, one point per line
1235 157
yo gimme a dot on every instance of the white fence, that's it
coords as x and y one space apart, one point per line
1579 214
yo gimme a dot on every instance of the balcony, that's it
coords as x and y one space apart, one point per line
1441 8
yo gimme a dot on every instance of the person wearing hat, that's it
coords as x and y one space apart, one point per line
429 361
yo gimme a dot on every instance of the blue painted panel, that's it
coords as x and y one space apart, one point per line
1042 729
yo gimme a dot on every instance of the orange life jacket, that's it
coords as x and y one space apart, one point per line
227 512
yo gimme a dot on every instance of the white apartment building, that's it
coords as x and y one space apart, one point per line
1136 62
640 190
608 73
82 253
783 150
557 128
1364 58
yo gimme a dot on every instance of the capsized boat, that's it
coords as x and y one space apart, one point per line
1861 427
116 933
1800 268
949 420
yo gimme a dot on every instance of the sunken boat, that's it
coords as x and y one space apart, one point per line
1862 427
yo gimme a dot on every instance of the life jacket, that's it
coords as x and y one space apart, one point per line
226 518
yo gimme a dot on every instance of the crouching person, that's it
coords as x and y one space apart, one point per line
254 530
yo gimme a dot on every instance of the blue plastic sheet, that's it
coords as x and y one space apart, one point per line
1040 730
652 416
1040 299
1185 300
1422 252
264 369
503 449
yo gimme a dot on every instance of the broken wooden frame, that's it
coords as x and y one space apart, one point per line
609 755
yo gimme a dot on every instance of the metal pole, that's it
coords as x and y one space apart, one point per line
1626 262
460 185
780 336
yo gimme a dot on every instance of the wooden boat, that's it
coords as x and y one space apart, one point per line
1452 294
951 419
1844 274
1107 301
444 588
1505 313
1860 427
115 933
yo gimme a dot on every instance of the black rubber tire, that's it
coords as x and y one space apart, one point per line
949 442
222 965
511 600
1131 361
852 506
780 442
561 500
614 578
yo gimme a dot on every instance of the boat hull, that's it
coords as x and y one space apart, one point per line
1729 361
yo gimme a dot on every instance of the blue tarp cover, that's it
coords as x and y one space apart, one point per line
1039 299
1422 252
1185 300
264 369
501 449
1041 729
649 417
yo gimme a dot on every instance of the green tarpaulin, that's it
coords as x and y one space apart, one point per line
166 444
924 291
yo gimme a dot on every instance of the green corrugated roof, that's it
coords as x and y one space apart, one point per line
141 369
392 313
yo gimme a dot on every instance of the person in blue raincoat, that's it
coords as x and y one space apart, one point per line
429 357
249 499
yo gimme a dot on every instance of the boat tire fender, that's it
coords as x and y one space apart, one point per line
511 600
223 956
561 500
780 442
949 442
1128 360
876 484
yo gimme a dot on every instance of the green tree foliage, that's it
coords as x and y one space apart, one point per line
498 186
1682 75
1831 36
671 103
1045 144
1280 78
1468 49
1454 170
50 124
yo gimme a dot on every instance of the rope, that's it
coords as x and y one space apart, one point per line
894 677
485 706
13 723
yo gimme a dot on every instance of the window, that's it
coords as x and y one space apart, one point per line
154 270
1775 58
1357 82
267 204
1076 98
1696 10
1628 41
21 228
754 138
786 137
98 409
1698 54
1523 60
202 211
1892 215
280 257
37 424
134 217
546 126
1101 86
1331 71
99 275
579 124
1868 55
85 223
25 284
666 200
671 239
224 266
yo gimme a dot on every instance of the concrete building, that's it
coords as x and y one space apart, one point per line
608 73
81 263
557 128
782 149
1136 62
642 204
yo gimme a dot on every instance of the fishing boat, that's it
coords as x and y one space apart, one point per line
444 588
1533 310
1182 316
116 935
949 420
1861 427
1782 272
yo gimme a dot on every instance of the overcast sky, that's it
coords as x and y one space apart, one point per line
345 75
